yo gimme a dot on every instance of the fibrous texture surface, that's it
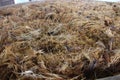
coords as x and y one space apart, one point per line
60 40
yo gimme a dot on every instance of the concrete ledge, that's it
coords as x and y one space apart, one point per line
117 77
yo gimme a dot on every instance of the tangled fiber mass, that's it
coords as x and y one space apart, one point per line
60 40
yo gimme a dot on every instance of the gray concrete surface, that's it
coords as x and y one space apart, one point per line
117 77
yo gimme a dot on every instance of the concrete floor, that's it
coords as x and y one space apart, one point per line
117 77
110 0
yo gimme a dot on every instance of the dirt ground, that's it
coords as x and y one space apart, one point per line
60 40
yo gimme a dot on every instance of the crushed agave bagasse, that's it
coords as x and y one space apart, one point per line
60 40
